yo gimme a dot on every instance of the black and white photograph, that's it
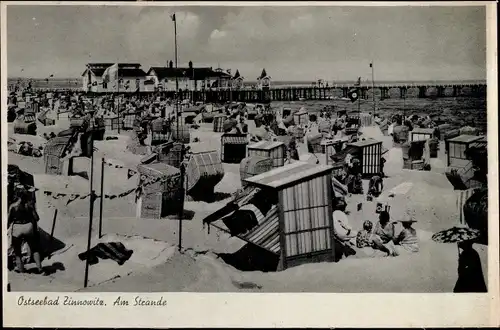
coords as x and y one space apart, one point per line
238 148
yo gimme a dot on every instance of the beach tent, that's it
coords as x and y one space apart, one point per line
304 194
339 189
473 206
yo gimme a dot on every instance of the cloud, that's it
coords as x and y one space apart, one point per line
152 35
272 33
216 34
290 42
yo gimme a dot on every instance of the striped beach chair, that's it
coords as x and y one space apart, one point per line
462 197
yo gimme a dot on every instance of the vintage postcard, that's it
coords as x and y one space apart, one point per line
249 164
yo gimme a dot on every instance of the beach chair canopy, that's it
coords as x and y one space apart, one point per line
476 211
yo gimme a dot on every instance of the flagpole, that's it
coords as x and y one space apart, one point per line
91 210
373 88
404 107
182 165
102 198
359 98
176 78
118 92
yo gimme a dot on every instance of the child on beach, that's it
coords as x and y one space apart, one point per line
363 236
375 185
407 240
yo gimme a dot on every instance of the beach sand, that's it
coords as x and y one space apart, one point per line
158 266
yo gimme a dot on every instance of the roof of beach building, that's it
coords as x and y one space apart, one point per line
107 65
287 175
124 69
194 73
263 75
465 138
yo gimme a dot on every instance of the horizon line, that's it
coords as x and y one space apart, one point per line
291 80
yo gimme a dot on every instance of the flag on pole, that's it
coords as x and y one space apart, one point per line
353 95
173 17
110 74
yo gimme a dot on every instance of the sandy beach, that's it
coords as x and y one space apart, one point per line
156 264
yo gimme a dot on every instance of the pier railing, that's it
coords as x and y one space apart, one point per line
382 91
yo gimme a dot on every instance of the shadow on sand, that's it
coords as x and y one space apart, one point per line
188 215
209 198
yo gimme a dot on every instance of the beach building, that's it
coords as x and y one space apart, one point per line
237 80
190 78
132 78
264 80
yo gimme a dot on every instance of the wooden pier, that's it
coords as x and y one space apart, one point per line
382 91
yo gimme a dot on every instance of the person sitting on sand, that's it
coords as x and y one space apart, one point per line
281 126
341 227
355 166
230 124
407 238
375 185
354 184
363 237
383 234
242 126
293 152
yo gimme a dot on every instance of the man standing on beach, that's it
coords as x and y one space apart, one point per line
22 220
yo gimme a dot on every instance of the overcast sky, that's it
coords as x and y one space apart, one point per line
292 43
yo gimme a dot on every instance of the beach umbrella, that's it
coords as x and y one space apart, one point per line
456 234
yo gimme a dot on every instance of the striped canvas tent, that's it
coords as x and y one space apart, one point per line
366 119
462 197
265 234
339 188
296 225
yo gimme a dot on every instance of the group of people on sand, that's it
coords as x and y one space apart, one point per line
382 236
236 120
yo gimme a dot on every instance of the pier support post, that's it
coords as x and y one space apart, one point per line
422 91
384 93
345 91
475 90
440 91
482 90
363 93
402 92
